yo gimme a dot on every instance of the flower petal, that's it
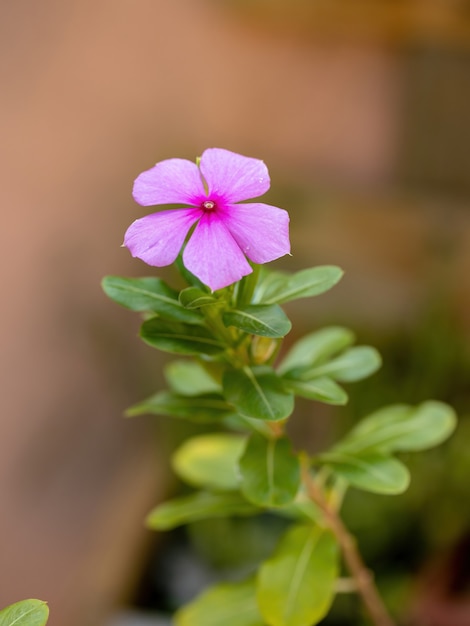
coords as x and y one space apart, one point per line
158 238
213 255
233 177
174 181
261 230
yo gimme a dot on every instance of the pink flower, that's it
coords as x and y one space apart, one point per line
225 231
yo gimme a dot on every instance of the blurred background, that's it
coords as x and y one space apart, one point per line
361 112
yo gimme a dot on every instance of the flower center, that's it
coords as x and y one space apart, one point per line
208 205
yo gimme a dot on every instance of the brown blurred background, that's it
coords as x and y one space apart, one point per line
361 112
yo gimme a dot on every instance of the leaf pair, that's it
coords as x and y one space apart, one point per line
265 471
311 369
364 458
155 296
252 393
316 363
263 317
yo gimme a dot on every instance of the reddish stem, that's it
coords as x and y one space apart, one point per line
362 576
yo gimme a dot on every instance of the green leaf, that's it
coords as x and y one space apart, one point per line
179 338
258 393
226 604
354 364
401 427
370 471
259 319
203 408
296 586
268 280
321 389
210 461
148 294
194 298
198 506
303 509
270 472
303 284
25 613
186 274
317 347
189 378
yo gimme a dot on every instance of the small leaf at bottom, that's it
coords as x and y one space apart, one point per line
296 586
226 604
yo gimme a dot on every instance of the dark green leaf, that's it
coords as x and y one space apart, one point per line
148 294
210 461
296 586
226 604
401 427
317 347
303 284
263 320
179 338
189 378
198 506
258 393
186 274
321 389
354 364
194 298
270 472
25 613
371 471
203 408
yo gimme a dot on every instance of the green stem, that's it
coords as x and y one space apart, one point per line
247 286
212 314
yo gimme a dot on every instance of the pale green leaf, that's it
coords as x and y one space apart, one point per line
402 427
268 281
321 389
354 364
370 471
25 613
226 604
190 378
296 586
210 461
316 348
